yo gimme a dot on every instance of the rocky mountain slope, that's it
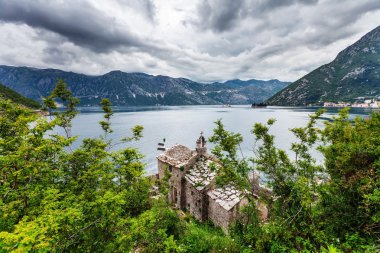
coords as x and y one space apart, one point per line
137 88
355 72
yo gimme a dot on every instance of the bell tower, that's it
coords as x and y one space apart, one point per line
201 145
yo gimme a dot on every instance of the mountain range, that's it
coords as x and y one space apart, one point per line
355 72
137 88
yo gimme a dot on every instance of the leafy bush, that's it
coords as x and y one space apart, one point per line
206 238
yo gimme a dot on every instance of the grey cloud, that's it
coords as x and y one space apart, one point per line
269 51
219 15
288 29
242 69
268 5
57 56
302 68
146 7
80 23
149 7
318 41
336 24
223 15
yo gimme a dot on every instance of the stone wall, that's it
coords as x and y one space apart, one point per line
177 182
176 193
222 217
191 162
218 215
196 202
161 169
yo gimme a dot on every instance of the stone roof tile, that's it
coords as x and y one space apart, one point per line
201 174
227 196
178 155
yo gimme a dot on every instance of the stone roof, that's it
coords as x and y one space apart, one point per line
201 174
227 196
178 155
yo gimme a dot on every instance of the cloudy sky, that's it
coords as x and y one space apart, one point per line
205 40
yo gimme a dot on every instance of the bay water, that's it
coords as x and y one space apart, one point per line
183 125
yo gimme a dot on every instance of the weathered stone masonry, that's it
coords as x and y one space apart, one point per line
192 185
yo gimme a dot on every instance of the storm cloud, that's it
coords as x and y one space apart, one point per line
76 21
205 40
222 15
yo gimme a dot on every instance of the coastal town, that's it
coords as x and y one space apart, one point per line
359 103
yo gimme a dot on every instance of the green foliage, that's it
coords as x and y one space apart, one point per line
136 134
234 168
62 94
155 230
55 199
6 93
105 124
206 238
351 199
313 206
248 231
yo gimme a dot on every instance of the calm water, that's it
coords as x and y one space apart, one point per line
183 124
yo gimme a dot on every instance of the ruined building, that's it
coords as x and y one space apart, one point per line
192 184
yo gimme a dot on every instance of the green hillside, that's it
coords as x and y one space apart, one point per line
355 72
7 93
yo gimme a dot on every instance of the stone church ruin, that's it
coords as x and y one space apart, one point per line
192 185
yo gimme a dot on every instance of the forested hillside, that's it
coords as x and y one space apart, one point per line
6 93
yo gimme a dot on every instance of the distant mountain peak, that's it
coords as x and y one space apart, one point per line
115 72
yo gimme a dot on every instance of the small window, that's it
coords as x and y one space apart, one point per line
188 206
192 193
170 168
